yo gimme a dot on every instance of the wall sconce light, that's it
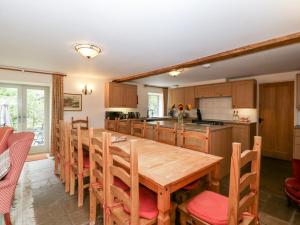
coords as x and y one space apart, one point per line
85 90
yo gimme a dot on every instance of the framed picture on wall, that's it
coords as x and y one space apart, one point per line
72 102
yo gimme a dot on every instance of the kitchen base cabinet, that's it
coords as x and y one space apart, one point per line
296 149
244 134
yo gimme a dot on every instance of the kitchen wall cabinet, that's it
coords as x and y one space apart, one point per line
298 91
189 96
120 95
221 90
184 96
244 94
203 91
213 90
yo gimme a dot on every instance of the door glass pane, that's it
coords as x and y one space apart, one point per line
153 105
35 114
9 97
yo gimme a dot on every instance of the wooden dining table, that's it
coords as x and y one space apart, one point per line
165 168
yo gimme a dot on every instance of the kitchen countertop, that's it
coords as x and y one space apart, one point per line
190 126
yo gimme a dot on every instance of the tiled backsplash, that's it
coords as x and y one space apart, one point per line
221 109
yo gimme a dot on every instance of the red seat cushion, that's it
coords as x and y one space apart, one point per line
5 132
209 207
86 162
148 203
119 183
192 186
292 187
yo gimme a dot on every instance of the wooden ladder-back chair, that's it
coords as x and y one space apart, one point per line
80 166
166 135
67 161
111 124
242 205
123 126
195 140
83 124
59 154
137 205
97 172
138 129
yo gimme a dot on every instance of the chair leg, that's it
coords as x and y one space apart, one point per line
55 165
80 191
62 171
183 218
93 205
72 182
7 219
67 178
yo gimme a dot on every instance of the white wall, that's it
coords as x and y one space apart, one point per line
92 105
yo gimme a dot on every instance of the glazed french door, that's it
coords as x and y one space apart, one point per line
28 107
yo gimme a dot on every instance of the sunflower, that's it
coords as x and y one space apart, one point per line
180 107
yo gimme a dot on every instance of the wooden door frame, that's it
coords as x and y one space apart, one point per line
292 83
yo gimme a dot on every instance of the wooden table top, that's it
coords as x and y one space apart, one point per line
163 164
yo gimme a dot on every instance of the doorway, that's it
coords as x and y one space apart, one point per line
28 107
276 119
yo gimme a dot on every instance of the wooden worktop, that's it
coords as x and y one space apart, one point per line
189 126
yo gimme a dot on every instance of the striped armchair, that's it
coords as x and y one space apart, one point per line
19 145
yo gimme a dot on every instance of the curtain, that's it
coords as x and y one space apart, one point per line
57 106
165 96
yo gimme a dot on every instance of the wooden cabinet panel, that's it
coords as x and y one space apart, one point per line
244 134
244 94
296 149
203 91
189 96
221 90
130 96
176 96
298 91
120 95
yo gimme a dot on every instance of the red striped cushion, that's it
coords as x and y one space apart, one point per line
4 134
209 207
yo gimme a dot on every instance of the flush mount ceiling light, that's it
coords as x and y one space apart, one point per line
206 66
87 50
175 73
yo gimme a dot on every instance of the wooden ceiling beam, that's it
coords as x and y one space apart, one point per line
24 70
244 50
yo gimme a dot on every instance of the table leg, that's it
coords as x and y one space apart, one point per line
215 179
164 206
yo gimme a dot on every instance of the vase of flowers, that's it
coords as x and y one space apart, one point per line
180 113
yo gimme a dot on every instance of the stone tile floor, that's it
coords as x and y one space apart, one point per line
52 206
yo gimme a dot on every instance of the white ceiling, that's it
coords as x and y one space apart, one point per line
140 35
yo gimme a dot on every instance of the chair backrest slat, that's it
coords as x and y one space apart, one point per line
138 129
246 180
166 135
83 124
76 149
111 124
129 176
97 159
123 126
248 156
195 140
239 184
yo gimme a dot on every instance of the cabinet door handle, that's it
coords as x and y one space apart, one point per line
260 120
